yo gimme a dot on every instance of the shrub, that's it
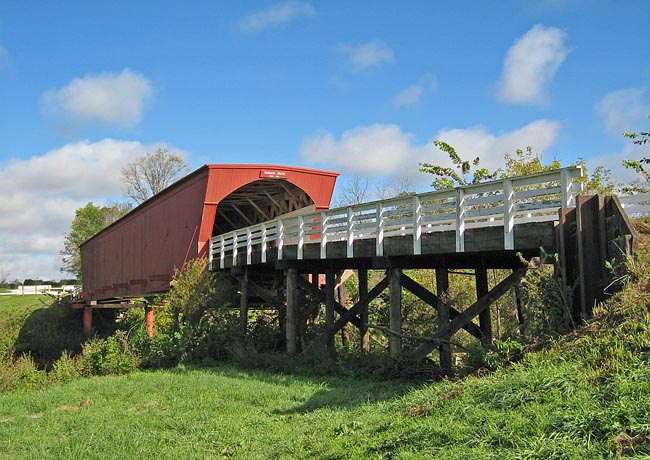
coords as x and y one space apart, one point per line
109 356
67 368
21 372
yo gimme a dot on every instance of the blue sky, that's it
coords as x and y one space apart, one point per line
356 87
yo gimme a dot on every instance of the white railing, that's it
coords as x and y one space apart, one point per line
636 205
532 198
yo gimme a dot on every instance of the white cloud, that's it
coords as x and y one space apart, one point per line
624 110
530 64
491 148
614 162
385 150
370 54
276 15
414 93
110 98
40 196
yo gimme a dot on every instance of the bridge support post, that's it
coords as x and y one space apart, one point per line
292 310
362 274
444 316
395 283
484 318
342 294
329 307
88 322
243 303
148 320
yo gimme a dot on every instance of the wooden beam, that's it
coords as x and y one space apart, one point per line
362 274
431 299
292 310
263 213
349 314
395 312
243 304
329 306
338 308
442 286
477 307
281 209
241 213
484 318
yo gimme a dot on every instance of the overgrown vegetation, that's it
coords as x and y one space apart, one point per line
584 396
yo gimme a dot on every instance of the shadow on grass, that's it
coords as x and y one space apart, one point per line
336 390
47 332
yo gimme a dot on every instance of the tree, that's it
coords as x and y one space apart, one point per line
641 185
526 162
88 221
354 191
150 174
448 177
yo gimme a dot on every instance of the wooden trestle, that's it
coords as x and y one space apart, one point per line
595 231
297 274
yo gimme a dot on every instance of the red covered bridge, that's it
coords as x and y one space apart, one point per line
136 256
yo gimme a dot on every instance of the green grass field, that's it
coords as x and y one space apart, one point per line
544 408
14 310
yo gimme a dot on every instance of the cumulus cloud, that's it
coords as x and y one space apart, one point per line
385 150
491 148
40 196
369 54
530 65
414 93
108 98
624 110
614 162
276 15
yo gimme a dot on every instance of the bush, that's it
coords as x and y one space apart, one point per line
21 372
67 368
109 356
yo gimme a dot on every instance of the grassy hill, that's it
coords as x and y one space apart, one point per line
585 396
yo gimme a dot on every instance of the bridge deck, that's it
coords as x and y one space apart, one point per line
507 215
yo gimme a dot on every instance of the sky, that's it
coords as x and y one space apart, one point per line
362 88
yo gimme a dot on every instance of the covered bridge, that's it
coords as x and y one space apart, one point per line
136 256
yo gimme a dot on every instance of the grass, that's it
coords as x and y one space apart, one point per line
556 404
14 311
585 396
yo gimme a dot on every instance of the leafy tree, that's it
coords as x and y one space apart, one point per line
152 173
450 177
88 221
526 162
641 185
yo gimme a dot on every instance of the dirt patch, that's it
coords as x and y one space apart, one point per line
84 403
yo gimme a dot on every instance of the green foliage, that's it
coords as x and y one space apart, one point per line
642 184
525 162
88 221
545 305
449 177
110 356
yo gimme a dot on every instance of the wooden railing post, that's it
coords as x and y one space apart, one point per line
460 220
234 249
417 226
222 253
350 229
280 238
379 242
508 215
264 242
210 256
323 235
249 246
301 236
